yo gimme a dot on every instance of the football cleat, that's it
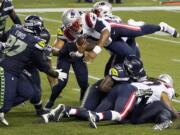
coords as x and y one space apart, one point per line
163 125
169 29
47 117
92 120
3 120
58 112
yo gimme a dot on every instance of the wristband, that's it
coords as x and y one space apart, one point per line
79 54
97 49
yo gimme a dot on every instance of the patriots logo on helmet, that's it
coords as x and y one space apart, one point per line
72 14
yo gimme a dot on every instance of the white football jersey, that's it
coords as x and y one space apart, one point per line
156 89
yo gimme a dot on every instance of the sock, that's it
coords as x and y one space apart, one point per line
109 115
38 106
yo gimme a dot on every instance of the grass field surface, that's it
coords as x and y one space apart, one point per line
160 54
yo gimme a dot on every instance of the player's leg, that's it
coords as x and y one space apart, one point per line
121 49
7 93
24 90
123 30
65 111
134 45
155 112
93 96
81 72
63 64
124 101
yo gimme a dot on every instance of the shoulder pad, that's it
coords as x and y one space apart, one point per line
90 19
118 73
40 44
60 32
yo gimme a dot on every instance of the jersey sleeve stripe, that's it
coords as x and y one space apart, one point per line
88 20
136 28
68 35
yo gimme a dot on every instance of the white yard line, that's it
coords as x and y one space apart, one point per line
46 19
175 100
164 40
175 60
149 8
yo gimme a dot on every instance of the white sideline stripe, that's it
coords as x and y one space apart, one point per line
175 100
175 60
149 8
46 19
161 39
96 78
90 76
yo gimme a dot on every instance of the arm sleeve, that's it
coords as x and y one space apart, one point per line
42 64
15 18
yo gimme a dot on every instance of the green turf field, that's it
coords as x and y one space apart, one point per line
160 53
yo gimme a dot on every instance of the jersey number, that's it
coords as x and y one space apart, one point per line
14 46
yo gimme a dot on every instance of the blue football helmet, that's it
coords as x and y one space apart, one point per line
34 24
135 68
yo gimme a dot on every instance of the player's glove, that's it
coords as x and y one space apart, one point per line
144 93
77 54
62 75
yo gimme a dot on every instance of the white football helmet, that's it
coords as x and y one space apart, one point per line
167 79
71 19
102 8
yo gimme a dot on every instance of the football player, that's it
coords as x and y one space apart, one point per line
98 98
67 57
22 47
123 98
103 10
106 34
7 9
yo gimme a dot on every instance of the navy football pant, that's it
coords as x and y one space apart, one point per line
154 112
81 73
17 90
8 91
93 97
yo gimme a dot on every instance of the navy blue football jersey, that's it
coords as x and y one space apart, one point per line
21 49
5 9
